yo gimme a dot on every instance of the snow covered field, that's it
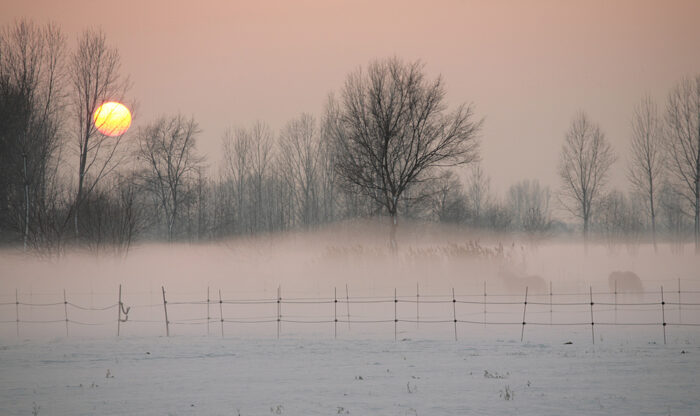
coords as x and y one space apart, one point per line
213 376
488 370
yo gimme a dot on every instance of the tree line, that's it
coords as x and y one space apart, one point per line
386 145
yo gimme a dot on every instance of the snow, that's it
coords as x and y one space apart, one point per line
628 371
195 375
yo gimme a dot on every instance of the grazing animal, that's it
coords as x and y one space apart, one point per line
517 282
625 282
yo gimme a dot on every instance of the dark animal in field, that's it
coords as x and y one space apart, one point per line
625 282
516 283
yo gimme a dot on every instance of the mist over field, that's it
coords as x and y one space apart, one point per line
355 260
436 257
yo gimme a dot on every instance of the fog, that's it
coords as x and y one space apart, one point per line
352 258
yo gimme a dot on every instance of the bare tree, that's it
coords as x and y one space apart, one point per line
529 203
674 216
300 160
114 217
95 75
167 148
260 171
683 145
448 200
392 128
236 172
31 82
646 163
585 160
478 195
619 219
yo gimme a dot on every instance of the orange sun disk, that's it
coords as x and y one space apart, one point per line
112 118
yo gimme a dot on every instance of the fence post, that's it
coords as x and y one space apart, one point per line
680 316
396 320
550 303
347 302
119 311
522 331
17 310
208 316
616 301
221 313
663 313
65 310
417 303
279 310
484 303
165 308
454 311
590 292
335 312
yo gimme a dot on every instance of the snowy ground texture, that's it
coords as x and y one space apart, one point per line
189 375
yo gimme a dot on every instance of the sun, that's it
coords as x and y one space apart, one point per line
112 118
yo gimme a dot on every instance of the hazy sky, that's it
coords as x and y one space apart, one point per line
528 66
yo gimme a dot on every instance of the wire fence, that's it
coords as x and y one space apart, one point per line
679 308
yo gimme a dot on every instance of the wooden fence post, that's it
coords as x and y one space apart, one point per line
616 301
221 313
165 308
417 306
551 310
590 292
454 311
680 316
484 303
119 311
396 320
663 313
335 312
522 331
17 310
279 310
65 310
347 303
208 316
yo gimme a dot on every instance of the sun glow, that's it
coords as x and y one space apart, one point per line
112 118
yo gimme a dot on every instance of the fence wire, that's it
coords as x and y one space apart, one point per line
343 316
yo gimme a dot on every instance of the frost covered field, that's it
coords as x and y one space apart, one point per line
213 376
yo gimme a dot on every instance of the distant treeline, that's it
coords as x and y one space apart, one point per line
385 145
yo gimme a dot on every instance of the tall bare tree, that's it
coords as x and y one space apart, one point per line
448 202
391 128
236 172
682 145
94 70
261 170
300 160
167 148
31 95
529 202
478 194
585 160
646 157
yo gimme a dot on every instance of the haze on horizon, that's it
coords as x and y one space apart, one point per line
527 66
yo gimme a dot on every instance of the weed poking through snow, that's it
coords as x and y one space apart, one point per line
507 394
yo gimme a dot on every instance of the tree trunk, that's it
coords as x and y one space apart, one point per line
697 180
585 233
697 211
25 232
653 227
392 233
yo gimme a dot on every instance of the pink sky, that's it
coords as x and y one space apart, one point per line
528 66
